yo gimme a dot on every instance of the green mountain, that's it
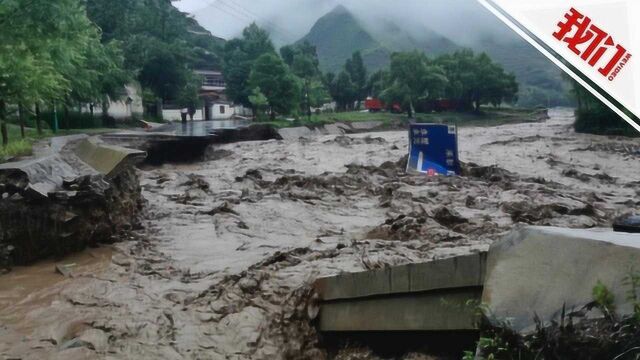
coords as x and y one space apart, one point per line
541 82
339 33
395 38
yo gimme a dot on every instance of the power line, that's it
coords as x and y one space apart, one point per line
252 17
275 26
242 14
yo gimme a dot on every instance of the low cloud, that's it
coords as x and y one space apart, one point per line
463 21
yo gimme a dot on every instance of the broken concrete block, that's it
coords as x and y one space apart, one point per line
295 133
39 191
434 296
108 160
536 270
64 270
366 125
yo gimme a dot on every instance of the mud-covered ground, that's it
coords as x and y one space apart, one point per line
223 268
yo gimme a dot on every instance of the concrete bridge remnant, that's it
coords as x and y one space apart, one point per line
532 271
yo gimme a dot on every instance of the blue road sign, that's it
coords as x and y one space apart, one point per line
433 149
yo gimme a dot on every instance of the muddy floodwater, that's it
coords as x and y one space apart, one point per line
231 244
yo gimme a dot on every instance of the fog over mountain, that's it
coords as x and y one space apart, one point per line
378 28
463 21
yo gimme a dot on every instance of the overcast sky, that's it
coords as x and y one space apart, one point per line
289 20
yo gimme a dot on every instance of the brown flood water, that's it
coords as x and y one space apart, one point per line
27 288
231 244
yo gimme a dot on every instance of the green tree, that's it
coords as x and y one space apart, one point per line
412 77
239 56
43 50
160 44
318 93
593 117
358 74
475 80
164 74
276 82
259 102
343 91
377 83
102 78
303 61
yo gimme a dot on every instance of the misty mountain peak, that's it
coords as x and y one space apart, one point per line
339 33
339 10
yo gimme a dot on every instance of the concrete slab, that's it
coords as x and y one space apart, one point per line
107 159
455 272
441 295
295 133
334 129
45 173
366 125
535 270
452 310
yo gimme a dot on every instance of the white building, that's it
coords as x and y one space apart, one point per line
127 106
212 80
215 106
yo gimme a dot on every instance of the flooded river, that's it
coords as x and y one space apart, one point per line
231 244
29 288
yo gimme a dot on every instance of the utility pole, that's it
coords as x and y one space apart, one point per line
308 101
55 119
38 125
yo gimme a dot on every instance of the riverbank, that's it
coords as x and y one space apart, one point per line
20 148
230 245
487 117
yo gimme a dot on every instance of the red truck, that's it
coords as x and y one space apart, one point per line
376 105
373 105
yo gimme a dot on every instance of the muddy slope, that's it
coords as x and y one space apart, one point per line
230 246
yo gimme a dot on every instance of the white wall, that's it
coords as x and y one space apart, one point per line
120 109
243 111
218 114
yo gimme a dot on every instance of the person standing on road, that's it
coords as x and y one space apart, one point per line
192 111
183 114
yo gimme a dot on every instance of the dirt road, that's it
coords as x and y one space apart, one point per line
231 244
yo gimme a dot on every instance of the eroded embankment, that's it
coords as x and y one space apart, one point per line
57 204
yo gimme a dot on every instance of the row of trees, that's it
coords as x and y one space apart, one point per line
268 82
51 52
71 52
351 85
257 77
469 80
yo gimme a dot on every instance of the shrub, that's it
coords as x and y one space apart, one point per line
603 121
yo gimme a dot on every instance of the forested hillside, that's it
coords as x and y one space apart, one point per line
161 45
337 34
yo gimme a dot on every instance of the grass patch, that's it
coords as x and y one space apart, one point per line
591 333
487 117
18 146
21 147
